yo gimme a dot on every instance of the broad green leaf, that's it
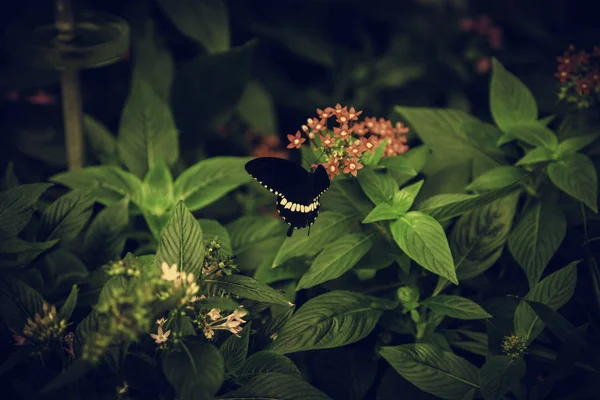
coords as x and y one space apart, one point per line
61 270
537 237
379 186
537 155
511 102
248 288
382 212
208 180
417 157
392 383
574 144
255 240
110 184
330 320
235 350
445 206
9 180
339 257
17 356
484 136
496 178
423 239
499 375
68 307
18 302
21 252
456 307
212 229
257 109
558 324
157 190
16 207
147 130
554 291
222 303
292 269
65 218
194 364
104 240
328 226
274 385
576 176
432 370
181 242
205 21
402 164
532 133
156 223
267 361
404 199
347 198
102 142
71 374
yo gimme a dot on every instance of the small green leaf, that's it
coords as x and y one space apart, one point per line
102 142
576 176
532 133
456 307
554 291
194 364
212 229
235 350
537 237
499 375
257 109
511 102
65 218
267 361
574 144
273 385
496 178
345 317
338 258
181 242
423 239
379 187
375 157
208 180
537 155
147 130
248 288
432 370
16 207
157 190
404 199
205 21
104 240
68 307
382 212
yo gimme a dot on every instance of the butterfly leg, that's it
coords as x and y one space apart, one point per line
290 231
308 231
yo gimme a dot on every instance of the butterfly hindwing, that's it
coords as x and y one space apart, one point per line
278 175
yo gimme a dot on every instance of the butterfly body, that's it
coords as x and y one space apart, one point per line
297 190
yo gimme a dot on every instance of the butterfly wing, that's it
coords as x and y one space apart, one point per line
320 181
280 176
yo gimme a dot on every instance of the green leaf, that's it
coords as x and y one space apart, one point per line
532 133
212 229
147 130
9 180
195 364
110 184
248 288
375 157
328 226
293 269
537 237
235 350
205 21
181 242
576 176
102 142
537 155
157 190
267 361
511 102
330 320
65 218
432 370
574 144
257 109
71 374
553 320
255 240
445 206
18 302
347 198
61 269
23 252
404 199
456 307
499 375
222 303
402 164
484 137
68 307
379 187
496 178
417 157
16 207
554 291
104 240
208 180
423 239
382 212
275 385
338 258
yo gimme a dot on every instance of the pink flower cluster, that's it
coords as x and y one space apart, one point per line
579 77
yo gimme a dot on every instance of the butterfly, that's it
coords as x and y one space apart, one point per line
297 190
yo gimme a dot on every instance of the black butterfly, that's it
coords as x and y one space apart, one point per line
297 190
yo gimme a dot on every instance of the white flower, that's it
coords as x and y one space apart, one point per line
214 314
161 336
209 333
161 322
169 274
